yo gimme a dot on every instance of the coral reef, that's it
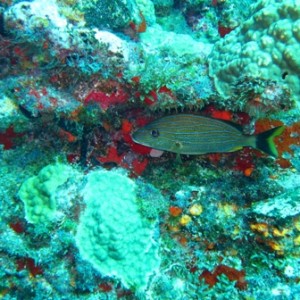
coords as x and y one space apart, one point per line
87 213
264 47
109 14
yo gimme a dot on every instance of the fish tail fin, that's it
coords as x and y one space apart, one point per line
265 140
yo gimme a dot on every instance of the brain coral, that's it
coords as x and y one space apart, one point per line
39 193
112 234
266 46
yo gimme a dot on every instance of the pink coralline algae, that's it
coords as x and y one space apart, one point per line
105 100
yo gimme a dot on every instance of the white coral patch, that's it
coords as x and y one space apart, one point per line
115 44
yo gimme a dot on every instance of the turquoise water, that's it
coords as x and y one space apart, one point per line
89 213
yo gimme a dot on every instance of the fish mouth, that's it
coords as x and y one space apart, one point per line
135 138
138 137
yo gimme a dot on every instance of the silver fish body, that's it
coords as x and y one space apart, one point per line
194 134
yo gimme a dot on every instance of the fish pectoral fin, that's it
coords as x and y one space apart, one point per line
178 158
176 147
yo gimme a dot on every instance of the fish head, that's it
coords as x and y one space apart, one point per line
151 136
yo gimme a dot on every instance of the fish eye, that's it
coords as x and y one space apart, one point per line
154 132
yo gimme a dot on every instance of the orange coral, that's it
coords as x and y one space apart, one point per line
7 138
209 278
139 166
261 228
175 211
222 114
275 246
17 227
141 27
111 156
27 263
248 171
105 287
231 273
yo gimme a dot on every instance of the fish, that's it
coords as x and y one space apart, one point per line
191 134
